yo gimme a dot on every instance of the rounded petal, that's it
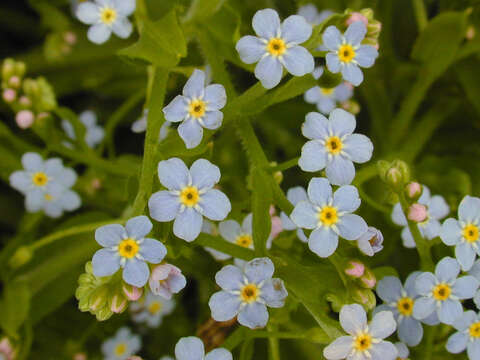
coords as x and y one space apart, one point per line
355 33
230 277
176 110
20 180
287 223
34 200
475 270
296 30
323 242
163 206
266 23
215 205
32 161
215 96
188 224
465 287
352 73
304 215
389 289
457 343
110 235
122 28
219 354
173 174
259 269
333 63
136 272
326 105
332 38
424 283
382 325
464 321
253 316
473 350
339 349
99 33
189 348
229 230
247 223
410 331
70 200
88 13
359 148
384 350
105 262
313 157
269 71
274 293
296 194
353 318
449 311
250 48
340 171
438 207
451 232
469 209
204 174
195 85
313 95
153 250
125 7
351 226
447 269
465 254
191 133
315 126
138 226
423 307
224 306
365 55
410 284
139 125
346 198
398 217
319 191
212 120
298 61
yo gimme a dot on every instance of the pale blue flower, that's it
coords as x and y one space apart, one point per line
475 272
311 14
467 335
140 126
276 46
94 133
151 310
403 351
333 146
123 345
329 216
347 54
464 232
294 195
364 341
55 205
127 248
441 292
430 228
189 196
327 99
191 348
196 109
246 292
105 17
370 242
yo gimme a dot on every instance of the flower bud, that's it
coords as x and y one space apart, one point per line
7 351
22 256
395 174
25 101
166 279
132 293
470 34
356 16
98 299
9 95
355 268
14 82
119 303
413 190
24 119
368 280
70 37
366 297
277 227
417 212
371 241
79 356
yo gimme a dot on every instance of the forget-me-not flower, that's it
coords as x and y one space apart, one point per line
364 341
294 195
189 196
247 292
430 228
329 215
191 348
403 351
467 335
464 232
370 242
166 280
311 14
140 126
333 146
123 345
326 99
127 248
276 46
198 107
93 133
442 291
151 309
346 54
105 17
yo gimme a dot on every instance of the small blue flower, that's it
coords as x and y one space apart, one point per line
197 108
403 351
140 126
94 133
437 209
123 345
106 16
371 241
246 293
190 196
365 341
191 348
311 14
128 248
475 272
347 54
333 146
327 99
276 46
294 195
151 310
329 216
442 291
464 232
467 335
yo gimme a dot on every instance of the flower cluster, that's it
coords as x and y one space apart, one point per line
93 132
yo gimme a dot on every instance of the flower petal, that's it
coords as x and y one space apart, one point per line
105 262
125 7
224 306
423 307
110 235
382 325
195 85
153 250
352 73
266 23
138 227
346 198
351 226
319 191
215 205
177 109
219 354
384 350
296 30
447 269
250 48
122 28
469 209
269 71
229 230
215 96
247 223
323 242
339 349
259 269
189 348
191 133
88 13
163 206
313 157
424 283
451 233
353 318
229 278
465 255
21 181
296 194
274 293
32 161
465 287
340 171
473 350
188 224
298 61
457 343
99 33
333 63
389 289
304 215
449 311
204 174
332 38
410 331
173 174
365 55
253 316
136 272
355 33
359 148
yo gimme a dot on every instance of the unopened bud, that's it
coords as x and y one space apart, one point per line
98 299
470 34
70 37
24 119
413 190
366 297
9 95
356 16
22 256
14 82
355 268
132 293
80 356
25 101
119 303
417 212
368 280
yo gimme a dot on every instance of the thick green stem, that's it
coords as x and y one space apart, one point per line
283 166
420 14
274 353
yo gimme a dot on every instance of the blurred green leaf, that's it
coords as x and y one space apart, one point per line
15 306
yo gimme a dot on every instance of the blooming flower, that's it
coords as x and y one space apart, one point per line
464 232
346 53
190 196
197 108
467 335
430 228
105 17
191 348
151 309
365 341
123 345
329 216
294 195
370 242
326 99
246 293
128 248
140 126
333 146
442 291
276 46
403 351
311 14
93 132
166 279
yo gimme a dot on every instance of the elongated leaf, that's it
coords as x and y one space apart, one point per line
15 306
261 200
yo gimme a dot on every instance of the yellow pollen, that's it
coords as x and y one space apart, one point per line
244 240
405 306
346 53
197 108
276 47
328 215
108 15
155 307
470 233
334 145
474 330
327 91
189 196
442 292
128 248
362 342
120 349
40 179
250 293
48 197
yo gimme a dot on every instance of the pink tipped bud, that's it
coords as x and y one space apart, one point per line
272 210
119 303
417 212
132 293
80 356
368 279
24 119
25 101
414 190
14 81
6 349
277 227
96 184
470 33
355 269
9 95
70 38
356 16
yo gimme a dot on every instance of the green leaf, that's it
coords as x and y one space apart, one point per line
203 9
15 306
261 200
382 271
469 75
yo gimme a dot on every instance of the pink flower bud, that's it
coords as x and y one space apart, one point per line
277 227
368 279
417 212
70 37
80 356
166 279
6 349
96 183
14 81
272 210
414 190
470 33
9 95
25 101
24 119
355 269
132 293
356 16
118 304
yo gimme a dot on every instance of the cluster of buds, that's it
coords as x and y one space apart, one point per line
59 44
361 275
396 174
416 212
367 17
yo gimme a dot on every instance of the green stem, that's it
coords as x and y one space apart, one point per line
337 263
420 14
430 337
283 166
372 202
274 353
226 247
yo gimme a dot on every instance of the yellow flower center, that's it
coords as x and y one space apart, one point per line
250 293
362 342
346 53
470 233
120 349
128 248
276 47
328 215
189 196
442 292
108 15
155 307
474 330
405 306
327 91
197 108
244 240
48 197
334 145
40 179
